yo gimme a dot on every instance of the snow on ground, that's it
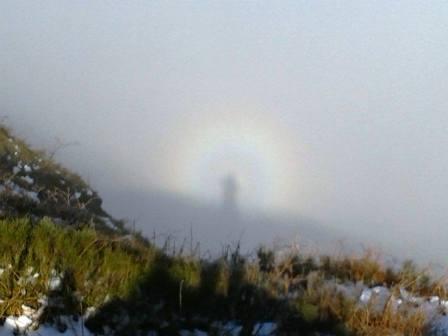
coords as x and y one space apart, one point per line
22 324
16 190
263 329
109 223
13 325
376 297
29 189
27 323
440 326
434 308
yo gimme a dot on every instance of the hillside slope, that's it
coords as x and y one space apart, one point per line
34 185
68 268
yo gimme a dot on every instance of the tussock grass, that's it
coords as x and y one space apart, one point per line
364 322
128 277
91 266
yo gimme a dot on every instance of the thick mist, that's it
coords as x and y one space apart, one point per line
330 117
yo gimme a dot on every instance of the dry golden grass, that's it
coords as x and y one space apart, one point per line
365 322
310 276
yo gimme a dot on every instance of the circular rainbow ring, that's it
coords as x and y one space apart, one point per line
258 152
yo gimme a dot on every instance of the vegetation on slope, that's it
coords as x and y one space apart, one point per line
32 184
135 287
62 255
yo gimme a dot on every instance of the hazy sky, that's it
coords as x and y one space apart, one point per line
333 109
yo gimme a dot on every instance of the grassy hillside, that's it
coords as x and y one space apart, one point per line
130 287
63 260
32 184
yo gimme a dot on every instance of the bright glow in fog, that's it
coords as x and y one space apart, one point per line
334 110
256 151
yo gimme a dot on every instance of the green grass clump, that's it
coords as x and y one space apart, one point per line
215 279
92 267
186 271
13 242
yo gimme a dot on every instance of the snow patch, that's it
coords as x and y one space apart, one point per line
27 179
